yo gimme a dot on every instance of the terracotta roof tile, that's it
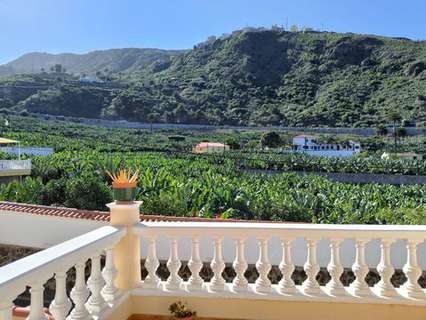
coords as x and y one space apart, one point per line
100 215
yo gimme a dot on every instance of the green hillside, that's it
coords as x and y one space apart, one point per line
261 77
114 60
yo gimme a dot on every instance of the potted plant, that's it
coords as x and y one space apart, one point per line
124 184
180 310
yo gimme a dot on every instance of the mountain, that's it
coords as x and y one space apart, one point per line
262 77
114 60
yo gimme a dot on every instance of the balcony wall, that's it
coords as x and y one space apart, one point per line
119 290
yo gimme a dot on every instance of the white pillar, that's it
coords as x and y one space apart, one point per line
109 291
61 305
174 281
37 300
263 266
79 295
413 272
311 267
217 283
360 287
151 281
335 268
384 287
96 303
286 284
240 282
195 282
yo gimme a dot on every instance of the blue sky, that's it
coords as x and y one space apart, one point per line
83 25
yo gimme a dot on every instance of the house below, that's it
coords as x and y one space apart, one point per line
210 147
310 145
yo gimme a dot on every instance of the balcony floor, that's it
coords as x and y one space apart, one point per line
152 317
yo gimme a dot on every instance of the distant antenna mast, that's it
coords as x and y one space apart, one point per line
286 24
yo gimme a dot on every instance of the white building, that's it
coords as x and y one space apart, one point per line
309 144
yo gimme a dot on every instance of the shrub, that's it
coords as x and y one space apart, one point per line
87 192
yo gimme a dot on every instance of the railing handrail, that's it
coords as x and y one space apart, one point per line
15 164
269 230
43 264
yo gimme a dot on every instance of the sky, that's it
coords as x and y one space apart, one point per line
80 26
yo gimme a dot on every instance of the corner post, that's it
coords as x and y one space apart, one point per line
127 253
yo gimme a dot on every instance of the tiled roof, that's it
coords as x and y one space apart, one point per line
211 144
96 215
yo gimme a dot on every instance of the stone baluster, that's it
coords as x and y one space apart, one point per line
109 291
335 268
151 281
37 300
174 281
360 287
6 306
195 282
217 283
384 287
413 272
263 266
311 267
286 284
96 303
79 295
61 305
240 282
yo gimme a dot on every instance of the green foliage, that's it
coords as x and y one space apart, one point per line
173 181
270 139
269 77
87 192
381 130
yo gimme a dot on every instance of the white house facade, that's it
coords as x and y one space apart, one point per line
310 145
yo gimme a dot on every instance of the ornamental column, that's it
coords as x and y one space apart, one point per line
127 252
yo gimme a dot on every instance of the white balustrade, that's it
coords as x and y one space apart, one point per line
311 267
79 294
37 299
109 292
36 269
263 284
61 304
359 286
217 283
335 268
286 284
413 272
173 264
151 265
241 232
384 287
240 282
96 303
195 282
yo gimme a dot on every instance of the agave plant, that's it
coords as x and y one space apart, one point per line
124 184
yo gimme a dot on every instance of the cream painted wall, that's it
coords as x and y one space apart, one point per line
272 310
40 231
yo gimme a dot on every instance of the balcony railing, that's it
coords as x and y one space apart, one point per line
36 269
15 164
358 291
99 295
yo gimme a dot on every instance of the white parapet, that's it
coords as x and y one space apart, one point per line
96 297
